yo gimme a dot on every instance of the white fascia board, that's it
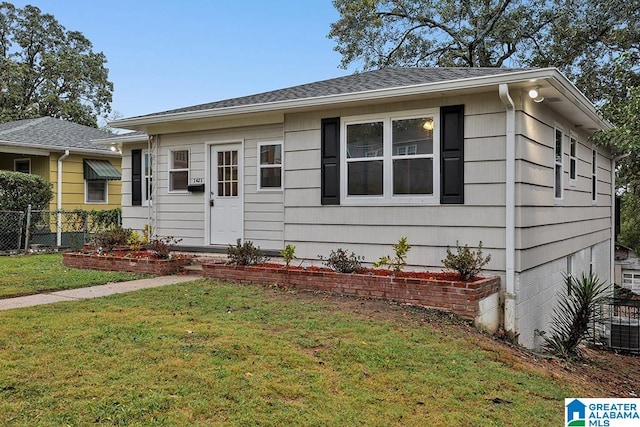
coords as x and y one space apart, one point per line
573 94
46 150
379 94
12 148
121 139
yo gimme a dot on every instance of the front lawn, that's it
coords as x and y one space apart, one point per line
32 274
210 353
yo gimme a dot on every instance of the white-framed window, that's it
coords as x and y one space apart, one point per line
592 260
147 172
22 165
391 158
96 191
557 164
569 271
178 170
594 175
270 165
573 159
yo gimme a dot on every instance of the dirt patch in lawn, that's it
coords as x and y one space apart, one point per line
600 374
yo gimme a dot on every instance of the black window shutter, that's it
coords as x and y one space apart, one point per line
136 177
330 167
452 154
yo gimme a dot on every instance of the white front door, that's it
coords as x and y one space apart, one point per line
226 194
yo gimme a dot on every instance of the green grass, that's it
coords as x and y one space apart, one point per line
208 353
32 274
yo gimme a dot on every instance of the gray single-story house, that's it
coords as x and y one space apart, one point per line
440 155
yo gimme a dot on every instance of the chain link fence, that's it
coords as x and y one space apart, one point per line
11 231
44 229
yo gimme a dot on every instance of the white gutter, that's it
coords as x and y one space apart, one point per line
59 198
42 149
510 211
378 94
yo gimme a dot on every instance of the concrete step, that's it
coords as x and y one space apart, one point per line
193 270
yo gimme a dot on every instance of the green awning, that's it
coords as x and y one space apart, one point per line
100 169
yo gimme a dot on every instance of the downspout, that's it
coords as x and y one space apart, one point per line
59 199
510 211
149 196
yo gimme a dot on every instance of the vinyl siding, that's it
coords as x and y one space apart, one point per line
549 229
370 230
184 214
73 184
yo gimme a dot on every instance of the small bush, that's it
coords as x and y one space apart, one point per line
244 254
161 247
341 262
398 262
468 263
19 190
134 242
289 254
109 239
577 308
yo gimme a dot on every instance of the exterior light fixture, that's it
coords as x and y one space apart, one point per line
428 125
113 148
535 94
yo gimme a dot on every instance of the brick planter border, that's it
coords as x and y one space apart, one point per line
461 298
157 267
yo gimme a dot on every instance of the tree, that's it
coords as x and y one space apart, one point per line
623 110
581 37
46 70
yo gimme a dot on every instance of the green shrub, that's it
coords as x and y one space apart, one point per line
19 190
161 246
578 306
398 262
244 254
341 262
468 263
108 239
289 254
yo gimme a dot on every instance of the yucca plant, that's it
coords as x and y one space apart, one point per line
577 307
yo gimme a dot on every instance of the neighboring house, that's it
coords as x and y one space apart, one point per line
83 175
440 155
627 268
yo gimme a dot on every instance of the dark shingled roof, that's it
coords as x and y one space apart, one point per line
52 133
385 78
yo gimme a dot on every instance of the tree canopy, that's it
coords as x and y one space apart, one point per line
581 37
595 43
46 70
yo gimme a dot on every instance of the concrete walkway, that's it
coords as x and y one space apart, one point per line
92 292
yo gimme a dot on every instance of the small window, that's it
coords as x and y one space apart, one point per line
22 165
412 145
365 151
96 191
270 166
569 272
178 170
147 191
594 175
573 160
558 172
592 260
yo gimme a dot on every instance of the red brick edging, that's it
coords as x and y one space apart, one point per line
158 267
461 298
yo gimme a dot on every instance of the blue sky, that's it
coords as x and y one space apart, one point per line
169 54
